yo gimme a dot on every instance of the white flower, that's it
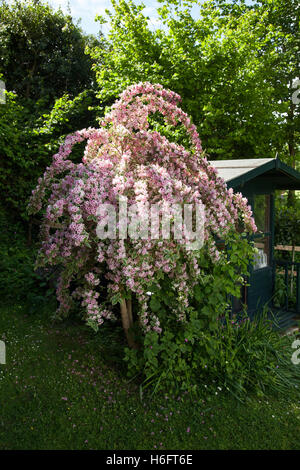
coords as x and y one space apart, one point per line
121 130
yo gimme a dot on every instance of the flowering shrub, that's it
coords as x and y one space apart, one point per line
126 158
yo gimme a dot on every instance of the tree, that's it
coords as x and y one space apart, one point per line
222 64
283 16
127 159
27 143
50 92
42 52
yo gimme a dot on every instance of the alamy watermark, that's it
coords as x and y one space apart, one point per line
2 93
2 352
296 94
159 221
296 355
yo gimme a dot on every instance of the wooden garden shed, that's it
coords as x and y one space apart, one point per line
257 179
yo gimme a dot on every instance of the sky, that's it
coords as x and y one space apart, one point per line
88 9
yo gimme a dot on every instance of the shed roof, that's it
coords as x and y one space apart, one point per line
238 172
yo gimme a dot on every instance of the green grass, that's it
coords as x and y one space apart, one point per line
63 387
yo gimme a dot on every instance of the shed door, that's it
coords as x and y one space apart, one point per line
260 289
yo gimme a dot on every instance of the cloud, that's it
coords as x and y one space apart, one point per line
86 10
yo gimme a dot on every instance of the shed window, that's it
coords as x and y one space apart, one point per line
262 220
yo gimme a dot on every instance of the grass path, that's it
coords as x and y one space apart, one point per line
63 388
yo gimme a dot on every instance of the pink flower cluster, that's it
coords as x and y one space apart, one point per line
126 158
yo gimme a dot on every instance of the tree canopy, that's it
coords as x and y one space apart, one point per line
42 51
126 158
233 64
50 88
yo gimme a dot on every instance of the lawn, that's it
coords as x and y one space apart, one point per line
63 387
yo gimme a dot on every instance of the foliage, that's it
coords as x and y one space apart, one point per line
287 222
287 232
285 295
233 64
50 92
42 52
125 158
28 140
239 355
18 280
12 146
283 17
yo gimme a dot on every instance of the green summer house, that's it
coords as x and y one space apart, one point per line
257 180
